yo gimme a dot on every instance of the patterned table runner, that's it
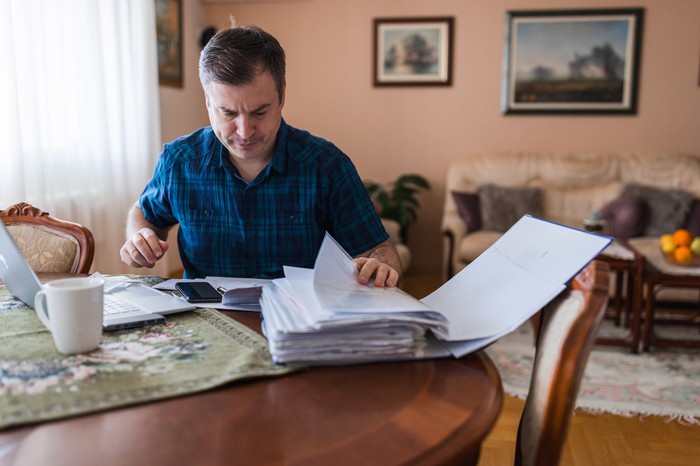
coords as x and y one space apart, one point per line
191 352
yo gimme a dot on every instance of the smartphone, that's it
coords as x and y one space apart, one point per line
198 292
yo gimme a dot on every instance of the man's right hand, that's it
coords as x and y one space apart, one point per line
143 249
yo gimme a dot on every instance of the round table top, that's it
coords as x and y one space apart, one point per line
420 412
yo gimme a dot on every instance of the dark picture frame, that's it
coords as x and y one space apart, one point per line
169 39
413 51
572 61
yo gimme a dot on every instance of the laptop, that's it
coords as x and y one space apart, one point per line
134 305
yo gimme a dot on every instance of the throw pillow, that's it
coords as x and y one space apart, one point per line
693 223
668 208
468 207
625 217
501 207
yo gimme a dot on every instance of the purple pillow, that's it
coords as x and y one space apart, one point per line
693 223
468 207
625 217
667 208
502 206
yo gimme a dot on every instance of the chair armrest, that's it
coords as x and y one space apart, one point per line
453 230
454 225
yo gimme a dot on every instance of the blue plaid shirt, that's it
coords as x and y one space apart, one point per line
232 228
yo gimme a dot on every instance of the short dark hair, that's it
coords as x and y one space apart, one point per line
235 56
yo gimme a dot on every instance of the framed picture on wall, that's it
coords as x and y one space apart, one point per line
169 38
413 51
572 61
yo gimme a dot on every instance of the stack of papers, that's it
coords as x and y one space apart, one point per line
324 316
299 329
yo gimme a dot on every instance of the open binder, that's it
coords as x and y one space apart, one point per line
324 316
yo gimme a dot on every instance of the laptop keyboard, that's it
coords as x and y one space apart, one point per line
114 305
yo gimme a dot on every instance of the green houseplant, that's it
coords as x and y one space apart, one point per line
397 200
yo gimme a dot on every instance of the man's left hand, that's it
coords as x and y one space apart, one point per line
384 275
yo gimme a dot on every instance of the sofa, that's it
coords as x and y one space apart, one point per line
636 194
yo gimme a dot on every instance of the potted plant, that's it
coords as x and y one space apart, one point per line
397 200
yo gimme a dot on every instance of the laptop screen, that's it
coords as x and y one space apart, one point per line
15 271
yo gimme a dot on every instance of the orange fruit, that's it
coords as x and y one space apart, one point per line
682 255
682 237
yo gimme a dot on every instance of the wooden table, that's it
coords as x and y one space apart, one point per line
660 274
629 269
429 412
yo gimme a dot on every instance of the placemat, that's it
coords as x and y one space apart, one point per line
191 352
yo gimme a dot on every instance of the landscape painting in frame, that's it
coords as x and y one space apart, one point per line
169 38
572 61
413 51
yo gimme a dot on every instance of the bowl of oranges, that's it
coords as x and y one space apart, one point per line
681 248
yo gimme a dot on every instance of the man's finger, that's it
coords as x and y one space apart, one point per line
381 275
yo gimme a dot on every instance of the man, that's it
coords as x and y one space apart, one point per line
251 193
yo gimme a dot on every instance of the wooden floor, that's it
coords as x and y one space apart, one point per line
593 440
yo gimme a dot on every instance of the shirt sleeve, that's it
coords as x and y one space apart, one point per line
355 223
154 200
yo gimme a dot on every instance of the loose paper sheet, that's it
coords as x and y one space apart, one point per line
525 269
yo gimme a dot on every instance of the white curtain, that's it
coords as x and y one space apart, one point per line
79 111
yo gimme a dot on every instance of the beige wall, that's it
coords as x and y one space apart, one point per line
182 110
388 131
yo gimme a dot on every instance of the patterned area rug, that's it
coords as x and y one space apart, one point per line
664 382
191 352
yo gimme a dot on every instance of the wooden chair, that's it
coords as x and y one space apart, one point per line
568 330
49 244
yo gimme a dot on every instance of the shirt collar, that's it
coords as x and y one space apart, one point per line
218 156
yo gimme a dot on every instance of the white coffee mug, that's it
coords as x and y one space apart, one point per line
72 310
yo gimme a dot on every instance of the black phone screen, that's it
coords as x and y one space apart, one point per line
198 292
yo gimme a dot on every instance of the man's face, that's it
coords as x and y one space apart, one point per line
246 118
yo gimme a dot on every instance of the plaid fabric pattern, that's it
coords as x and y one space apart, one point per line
232 228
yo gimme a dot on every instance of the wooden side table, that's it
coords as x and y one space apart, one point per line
658 274
628 264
